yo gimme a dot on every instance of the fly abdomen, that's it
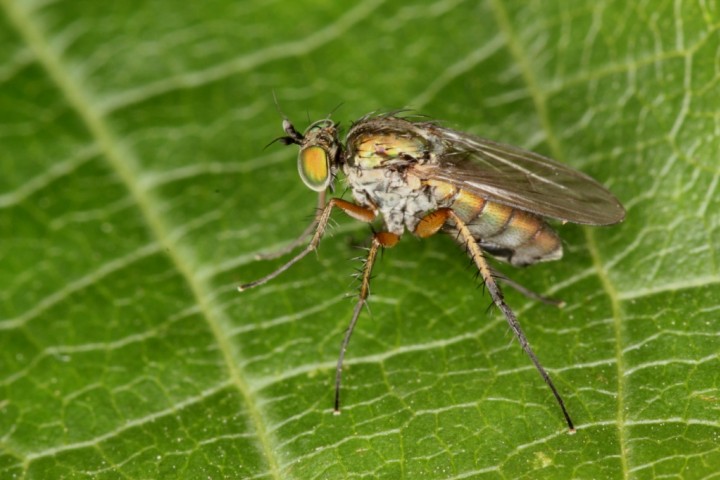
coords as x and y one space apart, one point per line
513 235
510 234
525 239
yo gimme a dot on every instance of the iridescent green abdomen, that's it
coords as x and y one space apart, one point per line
510 234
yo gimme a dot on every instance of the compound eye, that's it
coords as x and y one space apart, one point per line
314 168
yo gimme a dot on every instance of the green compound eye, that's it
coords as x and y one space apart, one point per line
314 168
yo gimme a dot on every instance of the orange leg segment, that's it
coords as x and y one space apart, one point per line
431 223
355 211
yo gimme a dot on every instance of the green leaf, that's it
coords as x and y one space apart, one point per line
135 193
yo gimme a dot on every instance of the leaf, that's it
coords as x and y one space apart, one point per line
136 192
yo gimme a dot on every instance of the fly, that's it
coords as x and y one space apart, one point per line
425 178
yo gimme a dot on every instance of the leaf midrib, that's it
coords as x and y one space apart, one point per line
124 163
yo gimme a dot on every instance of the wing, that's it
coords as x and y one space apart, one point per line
521 179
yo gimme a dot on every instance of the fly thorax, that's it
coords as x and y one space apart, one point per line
374 150
379 164
398 196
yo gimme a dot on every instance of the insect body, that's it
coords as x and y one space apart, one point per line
424 178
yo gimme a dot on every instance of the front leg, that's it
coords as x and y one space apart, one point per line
356 211
295 243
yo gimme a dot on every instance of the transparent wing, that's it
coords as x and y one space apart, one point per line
521 179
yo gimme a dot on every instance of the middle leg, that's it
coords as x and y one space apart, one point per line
382 239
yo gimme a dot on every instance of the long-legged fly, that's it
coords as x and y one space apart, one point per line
422 177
